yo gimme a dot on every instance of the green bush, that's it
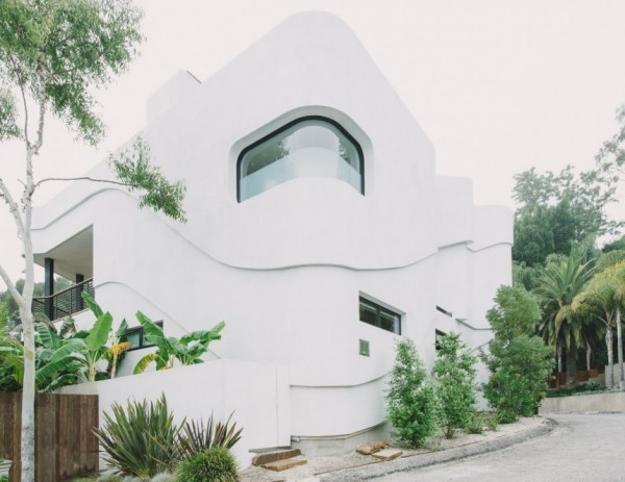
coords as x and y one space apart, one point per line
454 382
491 419
518 360
568 391
475 423
411 399
213 465
196 437
139 439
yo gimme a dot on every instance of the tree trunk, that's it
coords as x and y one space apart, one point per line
29 386
28 399
588 356
609 374
571 363
619 349
559 358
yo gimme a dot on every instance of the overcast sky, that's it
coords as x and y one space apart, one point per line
499 86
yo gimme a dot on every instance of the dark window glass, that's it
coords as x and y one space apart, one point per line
134 337
307 147
379 316
438 334
137 338
443 311
368 313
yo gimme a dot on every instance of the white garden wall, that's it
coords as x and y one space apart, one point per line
258 394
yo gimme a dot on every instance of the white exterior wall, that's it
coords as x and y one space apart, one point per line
220 387
285 268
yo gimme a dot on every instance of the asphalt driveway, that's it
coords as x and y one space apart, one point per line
581 448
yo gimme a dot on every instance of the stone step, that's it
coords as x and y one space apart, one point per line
387 454
275 455
284 464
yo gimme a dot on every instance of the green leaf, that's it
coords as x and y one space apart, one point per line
100 332
143 363
93 306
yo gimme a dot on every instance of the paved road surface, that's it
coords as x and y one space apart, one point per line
580 448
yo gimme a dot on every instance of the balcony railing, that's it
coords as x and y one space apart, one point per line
63 303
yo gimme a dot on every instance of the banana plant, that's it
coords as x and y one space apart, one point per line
188 349
59 361
117 347
96 339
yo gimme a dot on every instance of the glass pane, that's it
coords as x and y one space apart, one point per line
368 313
389 321
310 148
134 338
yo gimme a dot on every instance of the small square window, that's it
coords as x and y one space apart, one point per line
363 347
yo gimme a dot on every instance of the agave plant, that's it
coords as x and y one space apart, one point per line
188 349
196 437
139 438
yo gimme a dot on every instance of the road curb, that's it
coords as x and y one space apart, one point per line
417 461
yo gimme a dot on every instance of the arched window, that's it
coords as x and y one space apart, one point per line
307 147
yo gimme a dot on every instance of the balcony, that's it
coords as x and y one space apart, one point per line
63 303
72 259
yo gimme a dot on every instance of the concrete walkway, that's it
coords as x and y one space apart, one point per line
580 448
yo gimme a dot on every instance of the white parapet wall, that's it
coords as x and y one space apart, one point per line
257 393
597 402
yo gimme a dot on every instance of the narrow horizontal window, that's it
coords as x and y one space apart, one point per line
444 311
380 316
311 146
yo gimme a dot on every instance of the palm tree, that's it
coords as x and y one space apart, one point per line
560 281
604 298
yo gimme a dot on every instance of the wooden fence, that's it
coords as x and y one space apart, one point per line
65 445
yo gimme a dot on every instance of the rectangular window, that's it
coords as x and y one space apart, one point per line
136 337
438 334
380 316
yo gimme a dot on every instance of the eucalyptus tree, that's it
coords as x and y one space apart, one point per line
561 280
604 299
53 53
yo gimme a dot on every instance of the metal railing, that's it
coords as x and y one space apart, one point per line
63 303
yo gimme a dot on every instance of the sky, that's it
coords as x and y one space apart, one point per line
499 86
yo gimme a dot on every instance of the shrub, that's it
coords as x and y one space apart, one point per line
196 437
475 423
164 477
139 439
454 381
411 399
109 477
214 465
491 420
519 361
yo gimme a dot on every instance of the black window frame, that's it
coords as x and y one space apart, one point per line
438 334
350 138
380 309
444 311
139 329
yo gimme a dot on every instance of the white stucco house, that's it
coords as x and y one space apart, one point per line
317 228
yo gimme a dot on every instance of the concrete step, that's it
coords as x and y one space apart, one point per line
284 464
387 454
274 456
